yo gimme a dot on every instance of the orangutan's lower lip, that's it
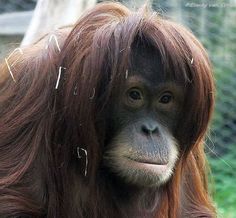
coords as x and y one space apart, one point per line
157 168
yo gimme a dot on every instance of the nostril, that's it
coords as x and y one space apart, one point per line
145 130
149 129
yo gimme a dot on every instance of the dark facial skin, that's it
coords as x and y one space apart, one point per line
143 150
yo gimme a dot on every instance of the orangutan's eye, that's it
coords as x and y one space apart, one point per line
166 98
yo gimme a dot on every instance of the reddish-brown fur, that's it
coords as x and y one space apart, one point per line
40 126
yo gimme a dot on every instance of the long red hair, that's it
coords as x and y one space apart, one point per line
41 125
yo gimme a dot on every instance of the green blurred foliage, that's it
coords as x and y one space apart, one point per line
224 175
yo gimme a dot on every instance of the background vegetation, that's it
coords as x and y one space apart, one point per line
223 172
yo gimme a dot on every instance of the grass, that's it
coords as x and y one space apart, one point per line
224 176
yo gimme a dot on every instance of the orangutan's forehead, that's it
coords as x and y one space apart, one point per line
146 61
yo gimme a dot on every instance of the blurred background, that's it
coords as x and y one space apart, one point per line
213 22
